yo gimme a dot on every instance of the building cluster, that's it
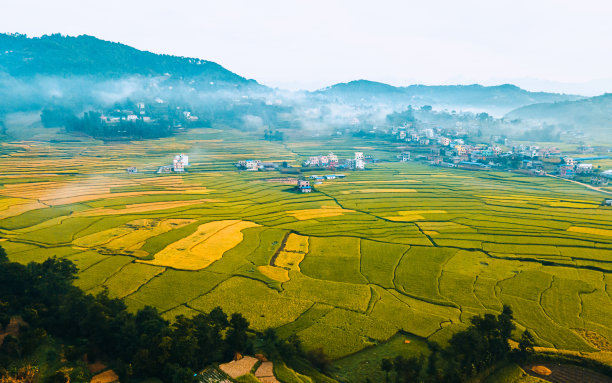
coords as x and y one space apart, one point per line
424 135
580 166
331 161
256 165
178 165
155 112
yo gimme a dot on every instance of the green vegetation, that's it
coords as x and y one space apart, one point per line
422 263
62 328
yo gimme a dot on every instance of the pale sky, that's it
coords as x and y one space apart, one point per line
554 45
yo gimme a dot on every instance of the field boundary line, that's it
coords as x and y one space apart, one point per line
147 282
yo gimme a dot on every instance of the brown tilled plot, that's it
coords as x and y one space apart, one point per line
563 373
265 373
240 367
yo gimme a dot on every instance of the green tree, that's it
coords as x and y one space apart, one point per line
386 365
237 337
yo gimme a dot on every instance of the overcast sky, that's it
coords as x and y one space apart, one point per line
557 45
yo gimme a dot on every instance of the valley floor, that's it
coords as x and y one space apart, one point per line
399 247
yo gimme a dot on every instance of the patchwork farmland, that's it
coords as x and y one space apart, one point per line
399 248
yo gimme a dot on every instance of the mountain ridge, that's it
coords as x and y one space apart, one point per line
506 95
23 56
592 112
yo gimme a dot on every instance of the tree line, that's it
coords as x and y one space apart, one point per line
469 352
137 345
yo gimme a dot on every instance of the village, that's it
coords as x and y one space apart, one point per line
455 148
154 112
448 148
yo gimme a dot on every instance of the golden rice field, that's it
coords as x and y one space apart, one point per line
400 247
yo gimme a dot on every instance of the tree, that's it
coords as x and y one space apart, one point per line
525 347
319 359
237 337
432 369
505 322
386 365
3 255
270 343
407 370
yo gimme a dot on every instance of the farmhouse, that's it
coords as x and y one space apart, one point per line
304 186
249 165
359 161
584 168
164 169
608 202
333 159
566 171
179 163
132 170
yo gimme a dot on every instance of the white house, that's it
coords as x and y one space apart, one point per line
584 168
569 161
179 162
249 165
359 161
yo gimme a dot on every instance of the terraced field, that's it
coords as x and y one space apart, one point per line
396 248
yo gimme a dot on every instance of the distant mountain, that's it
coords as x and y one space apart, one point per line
594 113
503 97
58 55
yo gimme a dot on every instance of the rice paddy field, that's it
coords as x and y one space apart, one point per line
400 251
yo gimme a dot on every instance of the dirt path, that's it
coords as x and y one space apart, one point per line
265 373
583 184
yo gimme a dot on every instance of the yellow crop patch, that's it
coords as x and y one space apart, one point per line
380 191
289 260
591 230
144 229
275 273
296 243
573 205
318 213
5 203
91 197
441 226
382 182
142 207
102 237
290 256
413 212
14 210
406 218
202 248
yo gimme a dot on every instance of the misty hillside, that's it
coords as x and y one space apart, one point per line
502 97
21 56
594 113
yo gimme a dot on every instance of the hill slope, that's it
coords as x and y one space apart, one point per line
21 56
594 113
503 97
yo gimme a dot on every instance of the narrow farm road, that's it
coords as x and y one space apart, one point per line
583 184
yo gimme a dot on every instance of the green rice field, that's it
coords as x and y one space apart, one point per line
361 262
